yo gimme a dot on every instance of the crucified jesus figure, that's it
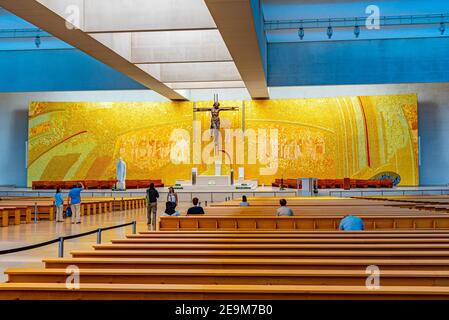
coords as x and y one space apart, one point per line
215 114
215 118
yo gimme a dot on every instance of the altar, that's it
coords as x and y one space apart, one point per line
217 183
215 180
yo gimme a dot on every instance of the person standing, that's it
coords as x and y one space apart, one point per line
59 204
172 196
152 196
75 202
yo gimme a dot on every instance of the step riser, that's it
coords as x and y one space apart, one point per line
148 279
105 295
149 255
184 265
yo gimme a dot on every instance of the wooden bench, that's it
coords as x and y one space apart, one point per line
280 254
95 184
308 210
292 234
273 246
268 240
58 291
316 264
15 214
45 208
237 223
335 183
311 201
335 263
229 276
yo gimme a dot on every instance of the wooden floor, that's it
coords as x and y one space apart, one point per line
25 234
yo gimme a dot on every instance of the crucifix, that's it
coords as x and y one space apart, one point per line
215 118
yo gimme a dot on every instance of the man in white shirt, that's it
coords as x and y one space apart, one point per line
283 210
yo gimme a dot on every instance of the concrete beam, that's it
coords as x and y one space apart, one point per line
235 22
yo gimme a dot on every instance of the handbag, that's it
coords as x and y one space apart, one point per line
68 212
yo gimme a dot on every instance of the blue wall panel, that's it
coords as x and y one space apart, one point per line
58 70
358 62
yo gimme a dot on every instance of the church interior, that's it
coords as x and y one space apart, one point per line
224 150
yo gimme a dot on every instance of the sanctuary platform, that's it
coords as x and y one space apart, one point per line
219 194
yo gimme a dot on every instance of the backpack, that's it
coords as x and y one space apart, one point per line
68 212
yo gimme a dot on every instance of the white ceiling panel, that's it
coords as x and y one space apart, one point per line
134 15
176 42
179 46
193 72
126 15
119 42
70 10
206 85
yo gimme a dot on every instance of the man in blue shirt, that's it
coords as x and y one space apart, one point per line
75 202
352 223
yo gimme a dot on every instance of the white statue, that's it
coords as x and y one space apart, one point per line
121 174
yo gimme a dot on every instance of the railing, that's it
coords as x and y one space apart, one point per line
61 240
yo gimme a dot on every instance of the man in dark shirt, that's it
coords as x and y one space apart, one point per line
196 209
152 196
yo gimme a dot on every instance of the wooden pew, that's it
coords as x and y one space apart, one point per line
291 234
335 183
268 240
4 216
273 246
315 210
300 260
95 184
58 291
335 263
238 223
46 209
17 213
229 276
281 254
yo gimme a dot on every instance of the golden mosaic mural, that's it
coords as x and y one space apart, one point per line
356 137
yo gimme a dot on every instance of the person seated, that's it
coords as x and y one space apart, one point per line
351 223
244 202
170 210
283 210
196 209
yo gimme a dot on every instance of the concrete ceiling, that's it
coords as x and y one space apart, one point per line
235 21
166 45
55 23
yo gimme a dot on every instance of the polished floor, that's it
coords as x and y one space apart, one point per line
26 234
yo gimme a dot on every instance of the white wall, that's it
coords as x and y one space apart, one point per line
433 119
